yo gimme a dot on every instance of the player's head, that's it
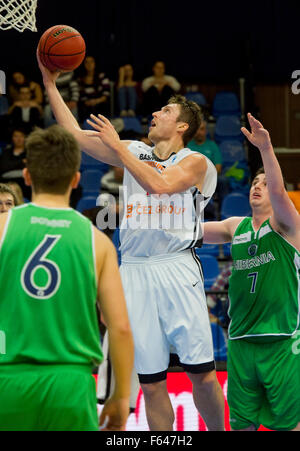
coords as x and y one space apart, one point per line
259 194
8 198
180 117
53 159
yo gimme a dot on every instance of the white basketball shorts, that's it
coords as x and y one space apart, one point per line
167 309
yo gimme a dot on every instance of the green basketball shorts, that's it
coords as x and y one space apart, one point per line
47 398
263 384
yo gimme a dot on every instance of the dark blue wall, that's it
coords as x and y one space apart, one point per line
212 41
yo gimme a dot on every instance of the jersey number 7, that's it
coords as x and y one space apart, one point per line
254 276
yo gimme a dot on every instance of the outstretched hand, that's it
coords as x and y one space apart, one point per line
259 136
48 76
105 130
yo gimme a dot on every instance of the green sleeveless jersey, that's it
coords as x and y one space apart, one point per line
48 288
264 287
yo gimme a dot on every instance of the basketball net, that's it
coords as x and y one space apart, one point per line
18 14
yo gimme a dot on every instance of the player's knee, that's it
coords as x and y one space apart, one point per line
204 380
154 389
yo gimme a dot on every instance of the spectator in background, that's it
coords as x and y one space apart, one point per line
202 144
4 136
217 305
69 90
295 197
24 112
17 190
158 88
94 90
18 80
12 162
8 198
128 94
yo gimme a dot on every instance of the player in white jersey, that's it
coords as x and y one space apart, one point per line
162 277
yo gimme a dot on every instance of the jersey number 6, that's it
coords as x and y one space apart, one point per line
38 260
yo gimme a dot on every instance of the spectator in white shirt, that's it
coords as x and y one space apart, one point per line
158 88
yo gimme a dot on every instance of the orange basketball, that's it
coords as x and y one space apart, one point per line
61 48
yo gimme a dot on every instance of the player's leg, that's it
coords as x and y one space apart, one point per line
245 394
39 399
186 324
151 348
159 410
68 401
209 399
279 369
18 405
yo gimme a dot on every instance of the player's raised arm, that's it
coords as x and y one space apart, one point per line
89 141
286 217
113 309
175 179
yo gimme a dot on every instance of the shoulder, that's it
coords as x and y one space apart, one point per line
148 78
188 156
234 222
170 78
138 147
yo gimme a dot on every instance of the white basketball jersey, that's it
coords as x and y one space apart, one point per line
162 224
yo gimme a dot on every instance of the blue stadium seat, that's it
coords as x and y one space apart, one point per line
88 162
197 97
219 342
209 249
232 151
210 268
226 103
132 123
227 249
86 202
91 181
235 204
228 128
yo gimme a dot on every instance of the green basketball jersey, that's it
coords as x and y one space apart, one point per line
264 285
48 288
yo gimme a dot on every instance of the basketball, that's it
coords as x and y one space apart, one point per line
61 48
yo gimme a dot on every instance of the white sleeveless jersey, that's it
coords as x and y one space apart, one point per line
162 224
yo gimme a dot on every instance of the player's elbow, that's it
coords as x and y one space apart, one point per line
122 329
162 187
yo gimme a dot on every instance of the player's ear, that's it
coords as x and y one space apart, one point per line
27 177
75 180
182 127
